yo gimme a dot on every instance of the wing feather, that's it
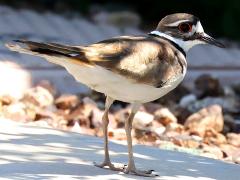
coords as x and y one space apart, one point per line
143 59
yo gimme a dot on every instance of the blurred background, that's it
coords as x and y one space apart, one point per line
83 21
220 17
202 114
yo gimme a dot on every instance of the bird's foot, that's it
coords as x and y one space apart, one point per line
134 171
110 166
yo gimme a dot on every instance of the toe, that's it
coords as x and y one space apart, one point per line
110 166
146 173
101 165
115 168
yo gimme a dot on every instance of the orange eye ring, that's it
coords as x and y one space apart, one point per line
185 27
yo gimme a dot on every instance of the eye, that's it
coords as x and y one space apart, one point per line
185 27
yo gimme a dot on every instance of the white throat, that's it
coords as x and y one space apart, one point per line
185 45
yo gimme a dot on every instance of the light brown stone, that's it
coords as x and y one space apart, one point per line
207 118
38 96
67 101
165 116
233 139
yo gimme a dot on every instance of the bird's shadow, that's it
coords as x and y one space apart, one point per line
37 153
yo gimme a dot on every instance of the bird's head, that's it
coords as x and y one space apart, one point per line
185 30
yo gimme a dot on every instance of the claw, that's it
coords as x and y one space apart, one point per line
109 165
146 173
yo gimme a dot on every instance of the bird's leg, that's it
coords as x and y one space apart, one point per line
105 122
131 169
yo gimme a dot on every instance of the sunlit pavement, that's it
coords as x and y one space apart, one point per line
28 152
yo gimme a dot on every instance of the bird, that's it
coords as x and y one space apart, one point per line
133 69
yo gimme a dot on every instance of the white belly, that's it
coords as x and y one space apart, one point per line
117 86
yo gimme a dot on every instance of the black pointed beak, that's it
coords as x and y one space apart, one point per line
210 40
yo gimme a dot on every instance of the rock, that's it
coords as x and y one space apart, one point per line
31 112
214 150
76 128
164 116
236 158
79 129
89 102
185 141
41 123
228 150
152 107
15 112
67 101
142 120
187 99
233 139
117 134
213 137
231 153
206 85
80 114
96 96
38 96
157 128
229 124
6 100
83 113
96 119
237 126
207 118
14 78
49 86
169 134
236 88
121 116
174 96
181 114
228 91
44 114
219 139
159 131
165 144
209 155
89 115
229 104
145 137
19 111
174 127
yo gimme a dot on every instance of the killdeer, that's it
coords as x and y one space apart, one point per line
133 69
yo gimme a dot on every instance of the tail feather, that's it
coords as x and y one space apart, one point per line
50 48
55 53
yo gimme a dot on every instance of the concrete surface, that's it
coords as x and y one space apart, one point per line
28 152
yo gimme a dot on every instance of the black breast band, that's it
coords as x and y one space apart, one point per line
171 42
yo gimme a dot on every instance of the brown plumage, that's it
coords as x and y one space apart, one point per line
143 59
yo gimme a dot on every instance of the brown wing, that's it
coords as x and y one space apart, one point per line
143 59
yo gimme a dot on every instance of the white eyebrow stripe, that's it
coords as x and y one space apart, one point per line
176 23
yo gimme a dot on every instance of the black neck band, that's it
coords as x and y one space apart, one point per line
171 42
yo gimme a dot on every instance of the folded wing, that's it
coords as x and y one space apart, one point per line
139 58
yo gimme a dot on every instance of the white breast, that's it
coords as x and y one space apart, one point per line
117 86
